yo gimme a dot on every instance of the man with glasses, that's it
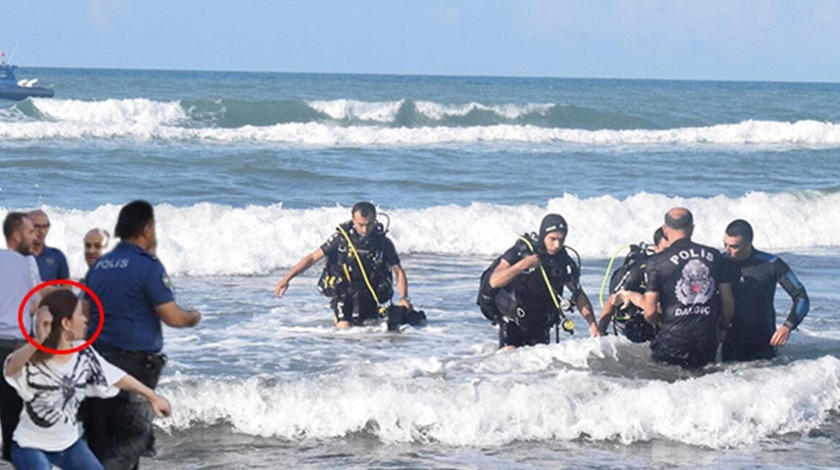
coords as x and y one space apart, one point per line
753 334
362 263
52 263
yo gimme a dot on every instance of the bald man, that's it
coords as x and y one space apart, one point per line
694 288
95 241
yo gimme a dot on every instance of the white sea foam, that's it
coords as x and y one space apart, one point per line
801 133
126 111
144 119
717 410
386 111
381 111
509 111
209 239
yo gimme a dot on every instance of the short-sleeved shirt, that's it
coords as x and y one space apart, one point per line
18 275
130 282
377 252
52 392
687 276
52 264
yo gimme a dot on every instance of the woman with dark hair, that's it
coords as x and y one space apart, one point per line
53 386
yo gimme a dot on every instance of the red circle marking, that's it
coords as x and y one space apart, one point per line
52 283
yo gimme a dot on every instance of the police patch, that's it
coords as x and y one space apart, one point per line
696 286
166 281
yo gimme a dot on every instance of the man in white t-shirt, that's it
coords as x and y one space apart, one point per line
18 275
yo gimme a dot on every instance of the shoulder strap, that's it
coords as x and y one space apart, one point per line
352 249
568 325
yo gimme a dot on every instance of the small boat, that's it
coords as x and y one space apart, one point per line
13 89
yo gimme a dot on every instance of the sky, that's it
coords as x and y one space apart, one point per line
775 40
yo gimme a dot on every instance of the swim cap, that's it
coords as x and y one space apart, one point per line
553 223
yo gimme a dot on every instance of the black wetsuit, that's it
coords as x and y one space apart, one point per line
352 301
755 315
527 310
687 275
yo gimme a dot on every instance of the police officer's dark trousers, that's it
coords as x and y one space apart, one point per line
119 429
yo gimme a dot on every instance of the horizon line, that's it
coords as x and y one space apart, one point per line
440 75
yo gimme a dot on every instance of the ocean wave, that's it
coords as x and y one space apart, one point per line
799 134
401 123
717 410
206 239
387 111
117 112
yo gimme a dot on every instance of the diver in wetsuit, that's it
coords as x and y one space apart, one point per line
694 290
753 334
619 310
358 275
514 291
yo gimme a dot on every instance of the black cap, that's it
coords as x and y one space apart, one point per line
553 223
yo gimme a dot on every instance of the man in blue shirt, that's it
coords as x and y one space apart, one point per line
137 297
52 264
753 333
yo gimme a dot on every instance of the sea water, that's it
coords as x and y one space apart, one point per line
250 171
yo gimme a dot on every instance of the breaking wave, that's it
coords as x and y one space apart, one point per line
361 123
207 239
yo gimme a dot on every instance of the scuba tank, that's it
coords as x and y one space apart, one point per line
630 276
486 299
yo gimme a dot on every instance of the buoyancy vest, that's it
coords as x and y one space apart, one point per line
526 300
342 273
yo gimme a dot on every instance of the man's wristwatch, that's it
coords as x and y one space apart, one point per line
406 298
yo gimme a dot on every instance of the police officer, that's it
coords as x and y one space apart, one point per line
137 298
52 264
343 279
754 334
685 279
527 311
